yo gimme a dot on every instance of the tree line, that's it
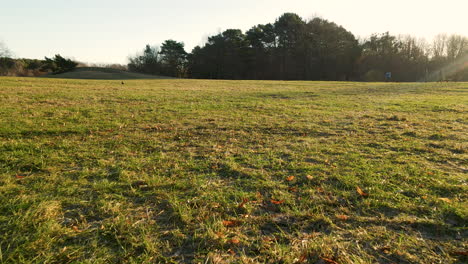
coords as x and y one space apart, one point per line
292 48
32 67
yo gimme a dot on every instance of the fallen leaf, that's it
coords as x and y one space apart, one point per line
293 189
244 201
290 178
220 234
302 259
19 176
361 192
447 200
342 217
231 223
234 241
230 251
76 229
309 177
460 253
276 202
329 261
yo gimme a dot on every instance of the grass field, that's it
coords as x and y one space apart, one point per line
194 171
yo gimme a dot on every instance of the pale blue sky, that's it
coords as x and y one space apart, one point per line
107 31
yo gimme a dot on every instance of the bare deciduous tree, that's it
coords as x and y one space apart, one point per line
4 51
456 46
439 46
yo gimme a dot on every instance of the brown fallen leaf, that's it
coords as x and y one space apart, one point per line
231 223
310 177
342 217
220 234
20 176
460 253
361 192
232 252
302 259
293 189
244 202
76 229
329 261
234 241
276 202
290 178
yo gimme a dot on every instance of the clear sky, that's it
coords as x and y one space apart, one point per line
107 31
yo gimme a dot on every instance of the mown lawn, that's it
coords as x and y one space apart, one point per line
194 171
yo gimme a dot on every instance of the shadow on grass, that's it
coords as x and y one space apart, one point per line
43 133
226 171
428 230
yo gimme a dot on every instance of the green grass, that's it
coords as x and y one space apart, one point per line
153 170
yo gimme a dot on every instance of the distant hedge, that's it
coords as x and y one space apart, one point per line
33 67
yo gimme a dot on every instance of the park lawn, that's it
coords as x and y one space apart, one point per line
205 171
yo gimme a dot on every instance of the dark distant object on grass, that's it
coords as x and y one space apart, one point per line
388 76
59 64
